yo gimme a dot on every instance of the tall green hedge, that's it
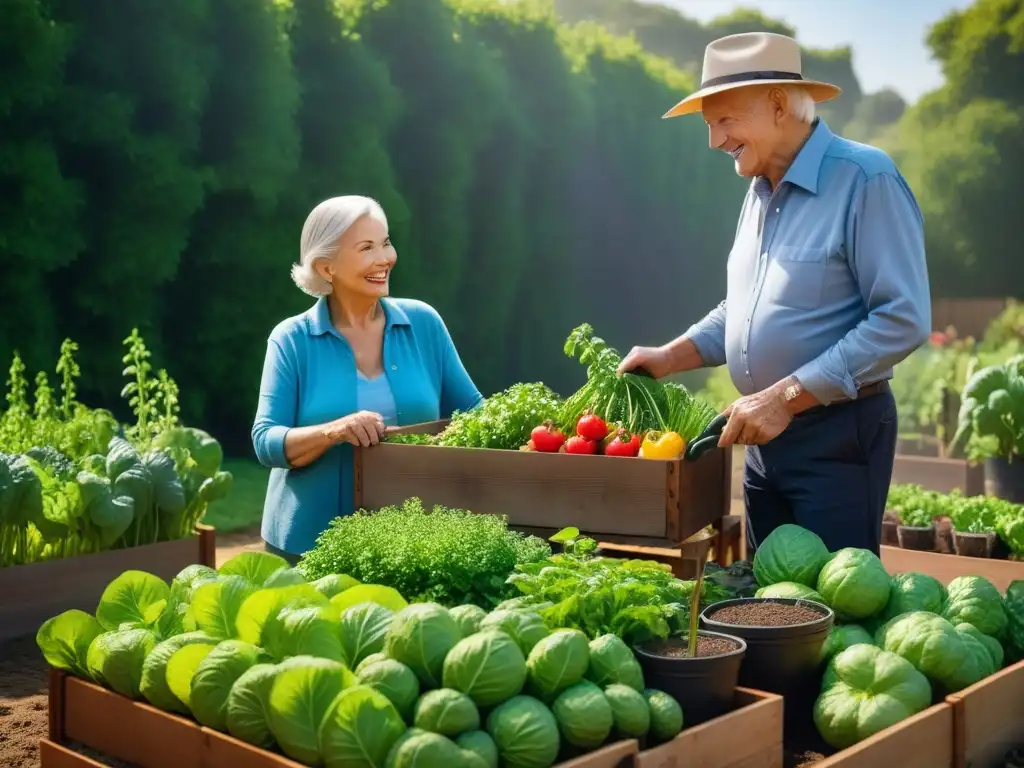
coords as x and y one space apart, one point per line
160 158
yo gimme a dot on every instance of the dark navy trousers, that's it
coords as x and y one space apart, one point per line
828 472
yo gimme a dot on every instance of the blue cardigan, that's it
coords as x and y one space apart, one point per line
310 377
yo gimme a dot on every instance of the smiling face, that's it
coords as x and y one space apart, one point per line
753 125
362 263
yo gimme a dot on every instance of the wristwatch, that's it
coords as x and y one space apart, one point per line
792 392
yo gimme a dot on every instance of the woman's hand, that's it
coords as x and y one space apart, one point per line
363 428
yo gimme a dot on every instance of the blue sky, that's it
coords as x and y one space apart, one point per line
887 36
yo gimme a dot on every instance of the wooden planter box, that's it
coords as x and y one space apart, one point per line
945 568
988 719
638 501
922 741
34 593
941 475
748 737
147 737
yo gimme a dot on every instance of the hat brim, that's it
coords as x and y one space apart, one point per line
693 103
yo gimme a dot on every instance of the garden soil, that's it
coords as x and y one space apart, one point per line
23 684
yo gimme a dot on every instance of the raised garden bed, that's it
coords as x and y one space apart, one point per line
33 593
922 741
942 475
136 733
757 716
945 568
988 719
626 500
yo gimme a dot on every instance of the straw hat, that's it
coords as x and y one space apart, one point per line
751 58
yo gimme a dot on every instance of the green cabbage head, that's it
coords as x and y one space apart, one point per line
974 600
865 690
854 584
790 553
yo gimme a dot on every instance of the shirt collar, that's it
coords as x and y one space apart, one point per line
803 171
319 316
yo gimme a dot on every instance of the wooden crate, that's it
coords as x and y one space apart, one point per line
941 475
988 719
945 568
36 592
147 737
748 737
922 741
639 501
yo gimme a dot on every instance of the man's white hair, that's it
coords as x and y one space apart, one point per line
801 103
320 234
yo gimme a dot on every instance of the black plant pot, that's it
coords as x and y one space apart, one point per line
974 544
781 660
914 537
889 535
1005 479
704 686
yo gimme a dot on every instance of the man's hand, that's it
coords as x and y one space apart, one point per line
655 360
758 418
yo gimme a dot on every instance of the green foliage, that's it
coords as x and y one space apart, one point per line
511 152
447 556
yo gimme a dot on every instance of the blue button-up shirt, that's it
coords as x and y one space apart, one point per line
310 377
827 278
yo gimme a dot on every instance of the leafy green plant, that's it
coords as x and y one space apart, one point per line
991 419
636 402
634 599
447 556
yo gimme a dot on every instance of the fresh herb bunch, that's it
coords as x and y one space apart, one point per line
638 403
447 556
504 420
635 599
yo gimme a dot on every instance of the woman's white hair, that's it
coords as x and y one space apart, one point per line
320 234
801 103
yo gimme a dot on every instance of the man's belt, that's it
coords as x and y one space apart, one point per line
868 390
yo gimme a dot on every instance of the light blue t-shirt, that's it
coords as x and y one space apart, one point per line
310 377
375 395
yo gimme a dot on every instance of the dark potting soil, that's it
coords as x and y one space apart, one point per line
678 648
765 614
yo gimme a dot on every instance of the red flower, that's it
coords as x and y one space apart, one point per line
938 339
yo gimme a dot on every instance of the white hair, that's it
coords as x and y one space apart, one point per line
320 234
801 103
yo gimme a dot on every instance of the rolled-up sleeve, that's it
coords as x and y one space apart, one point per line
708 336
278 405
885 251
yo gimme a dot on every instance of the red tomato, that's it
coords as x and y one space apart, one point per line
623 445
592 427
547 438
580 445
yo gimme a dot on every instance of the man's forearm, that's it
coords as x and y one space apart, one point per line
683 355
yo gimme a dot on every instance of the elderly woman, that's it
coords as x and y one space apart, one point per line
341 373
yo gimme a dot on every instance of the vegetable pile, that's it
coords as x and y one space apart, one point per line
897 639
623 416
447 556
348 675
73 481
913 505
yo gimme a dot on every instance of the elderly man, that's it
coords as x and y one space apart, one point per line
827 291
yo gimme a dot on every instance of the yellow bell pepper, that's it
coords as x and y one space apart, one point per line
662 445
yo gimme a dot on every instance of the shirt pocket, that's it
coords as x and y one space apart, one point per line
796 276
